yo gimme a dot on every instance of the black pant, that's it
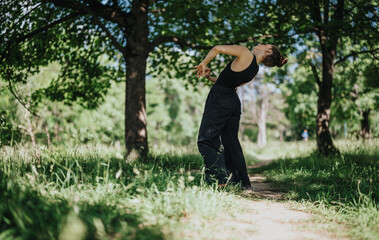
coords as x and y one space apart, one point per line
221 118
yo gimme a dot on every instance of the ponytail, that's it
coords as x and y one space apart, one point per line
275 59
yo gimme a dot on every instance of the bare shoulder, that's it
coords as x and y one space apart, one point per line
243 55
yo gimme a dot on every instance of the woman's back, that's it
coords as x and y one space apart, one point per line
232 79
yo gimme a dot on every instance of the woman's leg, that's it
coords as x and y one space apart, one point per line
234 158
209 143
226 155
213 160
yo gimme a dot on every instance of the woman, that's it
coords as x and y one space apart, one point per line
223 109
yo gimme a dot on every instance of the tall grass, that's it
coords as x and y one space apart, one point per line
90 192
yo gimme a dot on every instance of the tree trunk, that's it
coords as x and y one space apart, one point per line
262 116
31 133
135 103
324 140
47 135
365 124
281 133
56 126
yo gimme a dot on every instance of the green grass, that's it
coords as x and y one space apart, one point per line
90 192
343 188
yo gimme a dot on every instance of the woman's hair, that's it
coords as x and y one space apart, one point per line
275 59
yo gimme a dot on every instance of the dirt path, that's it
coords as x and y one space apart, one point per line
266 216
275 220
262 189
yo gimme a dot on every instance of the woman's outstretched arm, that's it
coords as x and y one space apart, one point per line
241 52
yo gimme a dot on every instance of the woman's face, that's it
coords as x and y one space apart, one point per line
262 48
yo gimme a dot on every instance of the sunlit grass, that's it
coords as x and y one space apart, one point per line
275 150
343 188
90 192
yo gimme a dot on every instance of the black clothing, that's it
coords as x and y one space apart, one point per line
231 79
221 119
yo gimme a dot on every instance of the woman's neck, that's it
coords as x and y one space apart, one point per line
260 56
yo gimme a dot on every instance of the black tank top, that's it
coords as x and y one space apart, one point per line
231 79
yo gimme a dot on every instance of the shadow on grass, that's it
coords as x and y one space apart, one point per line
68 170
27 214
313 177
175 162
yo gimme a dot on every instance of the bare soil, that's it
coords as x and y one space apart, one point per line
267 216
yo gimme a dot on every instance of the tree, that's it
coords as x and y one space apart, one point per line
9 133
364 92
330 22
369 100
300 92
262 107
259 107
79 33
354 92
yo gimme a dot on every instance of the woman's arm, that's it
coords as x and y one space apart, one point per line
212 79
241 52
208 76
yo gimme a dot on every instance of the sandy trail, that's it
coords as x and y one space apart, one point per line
267 217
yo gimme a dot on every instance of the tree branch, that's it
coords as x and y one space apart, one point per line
22 127
375 14
109 34
35 32
354 53
315 14
154 1
338 14
165 39
315 74
68 17
111 13
326 11
17 97
337 22
182 42
22 18
158 10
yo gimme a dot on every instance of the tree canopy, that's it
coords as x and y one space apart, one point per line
96 42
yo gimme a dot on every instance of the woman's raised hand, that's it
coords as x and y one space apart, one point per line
200 69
